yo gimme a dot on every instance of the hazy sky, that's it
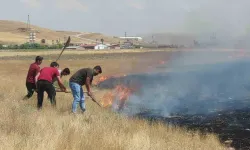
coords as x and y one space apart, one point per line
114 17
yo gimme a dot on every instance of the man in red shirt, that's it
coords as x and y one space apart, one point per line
30 79
44 82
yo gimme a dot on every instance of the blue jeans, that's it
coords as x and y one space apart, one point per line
78 96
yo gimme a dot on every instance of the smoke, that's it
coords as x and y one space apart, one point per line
192 83
210 23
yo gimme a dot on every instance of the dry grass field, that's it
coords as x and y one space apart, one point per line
23 127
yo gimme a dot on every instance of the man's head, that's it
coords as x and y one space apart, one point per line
97 70
65 72
39 60
54 64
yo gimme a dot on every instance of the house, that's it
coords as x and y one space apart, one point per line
114 46
73 47
132 38
88 46
101 46
127 45
75 43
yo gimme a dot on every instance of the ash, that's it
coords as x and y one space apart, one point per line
231 124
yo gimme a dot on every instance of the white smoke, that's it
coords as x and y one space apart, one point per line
191 86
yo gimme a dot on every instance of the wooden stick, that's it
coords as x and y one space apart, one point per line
64 47
93 99
59 90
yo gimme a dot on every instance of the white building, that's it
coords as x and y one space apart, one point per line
132 38
101 46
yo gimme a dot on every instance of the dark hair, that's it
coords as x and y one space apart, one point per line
39 58
66 70
98 68
54 64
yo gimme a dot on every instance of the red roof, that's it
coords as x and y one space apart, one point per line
88 45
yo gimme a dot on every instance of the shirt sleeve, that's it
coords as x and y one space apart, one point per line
89 73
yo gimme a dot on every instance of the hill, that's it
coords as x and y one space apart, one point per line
15 32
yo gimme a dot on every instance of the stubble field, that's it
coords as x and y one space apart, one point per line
23 127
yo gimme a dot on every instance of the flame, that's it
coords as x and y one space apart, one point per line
238 54
121 93
107 99
162 62
101 79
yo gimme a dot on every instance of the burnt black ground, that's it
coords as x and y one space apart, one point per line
212 98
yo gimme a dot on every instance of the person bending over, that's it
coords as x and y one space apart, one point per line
62 73
82 77
44 83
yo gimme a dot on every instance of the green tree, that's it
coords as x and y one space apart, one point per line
43 41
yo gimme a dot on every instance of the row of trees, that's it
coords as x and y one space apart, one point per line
32 46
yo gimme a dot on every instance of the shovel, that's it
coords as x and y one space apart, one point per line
93 99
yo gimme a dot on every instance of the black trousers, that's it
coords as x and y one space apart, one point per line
31 87
43 85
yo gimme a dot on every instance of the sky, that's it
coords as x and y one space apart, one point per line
115 17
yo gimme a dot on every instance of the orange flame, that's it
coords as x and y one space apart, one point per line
120 92
107 99
101 79
162 62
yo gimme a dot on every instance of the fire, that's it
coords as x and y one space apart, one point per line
107 99
162 62
101 79
239 54
120 92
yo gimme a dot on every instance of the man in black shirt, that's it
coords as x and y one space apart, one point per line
82 77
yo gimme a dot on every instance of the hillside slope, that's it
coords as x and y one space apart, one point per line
15 32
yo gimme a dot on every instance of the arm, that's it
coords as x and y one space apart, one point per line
37 70
37 75
59 81
88 83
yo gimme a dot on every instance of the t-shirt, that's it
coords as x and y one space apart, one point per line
48 73
54 79
81 75
33 70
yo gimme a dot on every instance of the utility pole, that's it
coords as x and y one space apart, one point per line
32 35
28 23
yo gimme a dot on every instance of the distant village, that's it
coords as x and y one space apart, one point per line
125 43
